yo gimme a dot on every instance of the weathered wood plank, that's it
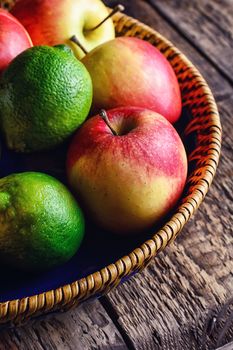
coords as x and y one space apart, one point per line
228 346
85 328
166 306
207 24
169 304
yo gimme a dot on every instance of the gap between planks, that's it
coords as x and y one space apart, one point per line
164 10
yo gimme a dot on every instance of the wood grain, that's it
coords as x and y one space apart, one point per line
169 305
85 328
226 347
207 24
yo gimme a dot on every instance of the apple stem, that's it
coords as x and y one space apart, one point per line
104 116
117 8
75 40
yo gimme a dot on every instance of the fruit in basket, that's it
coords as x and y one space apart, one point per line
41 225
13 38
131 72
129 170
52 22
45 94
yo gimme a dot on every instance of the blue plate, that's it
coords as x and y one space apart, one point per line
98 249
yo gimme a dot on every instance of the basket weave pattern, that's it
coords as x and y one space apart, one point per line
204 127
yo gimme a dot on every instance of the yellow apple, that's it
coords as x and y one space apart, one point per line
52 22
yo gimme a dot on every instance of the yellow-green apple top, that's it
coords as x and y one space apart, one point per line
52 22
127 182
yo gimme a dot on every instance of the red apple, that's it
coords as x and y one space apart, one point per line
131 72
13 39
52 22
129 181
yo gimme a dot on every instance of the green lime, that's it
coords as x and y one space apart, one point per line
45 94
41 225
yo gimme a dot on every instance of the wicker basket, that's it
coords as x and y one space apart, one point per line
203 128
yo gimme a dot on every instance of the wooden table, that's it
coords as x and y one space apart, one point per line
183 300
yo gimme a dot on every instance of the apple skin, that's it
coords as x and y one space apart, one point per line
53 22
131 72
14 39
127 183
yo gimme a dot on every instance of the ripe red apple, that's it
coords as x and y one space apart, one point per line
52 22
129 181
13 39
131 72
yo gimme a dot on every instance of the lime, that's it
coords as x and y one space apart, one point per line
45 94
41 225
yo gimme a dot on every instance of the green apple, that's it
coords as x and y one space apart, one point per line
52 22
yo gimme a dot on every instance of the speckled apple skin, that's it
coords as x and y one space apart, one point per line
52 22
131 72
127 183
14 39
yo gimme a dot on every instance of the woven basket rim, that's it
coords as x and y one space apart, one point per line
103 280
